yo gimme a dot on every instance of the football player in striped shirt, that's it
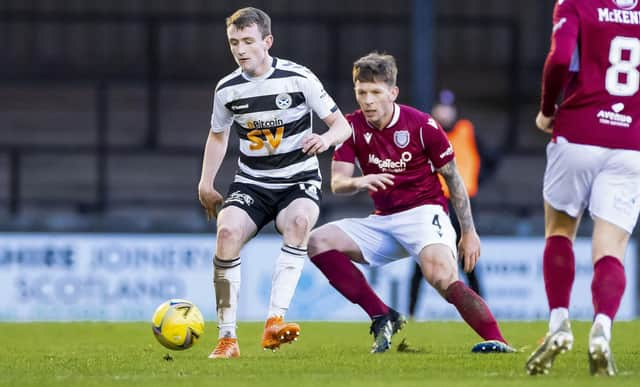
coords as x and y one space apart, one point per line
269 103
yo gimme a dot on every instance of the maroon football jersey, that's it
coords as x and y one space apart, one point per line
595 59
411 147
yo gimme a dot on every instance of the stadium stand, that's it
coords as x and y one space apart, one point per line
105 106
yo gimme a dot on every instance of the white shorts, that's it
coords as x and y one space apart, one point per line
386 238
606 180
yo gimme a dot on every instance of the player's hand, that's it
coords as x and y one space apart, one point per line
544 123
314 143
469 250
211 201
374 182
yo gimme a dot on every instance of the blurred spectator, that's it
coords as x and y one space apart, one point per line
473 162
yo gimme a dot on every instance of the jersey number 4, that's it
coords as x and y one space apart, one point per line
622 77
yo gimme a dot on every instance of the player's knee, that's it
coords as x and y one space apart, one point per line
300 224
297 229
317 243
439 273
228 235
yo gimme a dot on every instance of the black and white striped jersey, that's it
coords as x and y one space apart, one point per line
272 114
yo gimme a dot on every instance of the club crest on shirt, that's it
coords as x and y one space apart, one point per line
401 138
283 101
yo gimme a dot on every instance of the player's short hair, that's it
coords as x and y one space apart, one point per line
244 17
376 67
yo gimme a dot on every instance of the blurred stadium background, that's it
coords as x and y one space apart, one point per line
105 105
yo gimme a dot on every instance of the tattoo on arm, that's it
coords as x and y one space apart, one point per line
458 195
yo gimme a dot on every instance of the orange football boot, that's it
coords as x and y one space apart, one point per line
277 332
226 348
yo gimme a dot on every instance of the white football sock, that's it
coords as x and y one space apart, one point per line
226 283
556 317
285 278
606 322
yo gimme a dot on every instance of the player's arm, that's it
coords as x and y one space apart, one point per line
344 183
339 130
214 152
469 241
556 67
324 106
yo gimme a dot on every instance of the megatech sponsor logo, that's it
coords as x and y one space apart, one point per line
388 165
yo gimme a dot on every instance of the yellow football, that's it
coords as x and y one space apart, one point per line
177 324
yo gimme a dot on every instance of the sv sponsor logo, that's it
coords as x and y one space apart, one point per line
259 136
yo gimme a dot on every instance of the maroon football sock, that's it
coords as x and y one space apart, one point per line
348 280
607 286
559 269
474 311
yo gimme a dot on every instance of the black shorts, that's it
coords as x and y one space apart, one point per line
263 205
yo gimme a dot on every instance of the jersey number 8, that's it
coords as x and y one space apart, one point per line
622 65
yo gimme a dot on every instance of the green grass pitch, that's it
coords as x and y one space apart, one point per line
327 354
